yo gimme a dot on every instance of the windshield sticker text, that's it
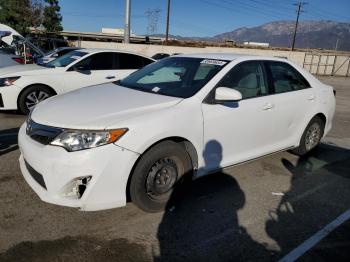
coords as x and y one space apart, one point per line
213 62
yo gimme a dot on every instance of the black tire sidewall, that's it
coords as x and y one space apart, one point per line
301 150
166 149
21 101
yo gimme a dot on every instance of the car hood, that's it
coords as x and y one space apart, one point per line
98 107
26 70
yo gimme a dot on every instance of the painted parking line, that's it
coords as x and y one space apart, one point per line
312 241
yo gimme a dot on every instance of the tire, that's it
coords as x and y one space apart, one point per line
311 137
159 171
32 96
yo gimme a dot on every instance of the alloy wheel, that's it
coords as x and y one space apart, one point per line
34 98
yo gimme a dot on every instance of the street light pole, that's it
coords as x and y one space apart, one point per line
167 23
127 22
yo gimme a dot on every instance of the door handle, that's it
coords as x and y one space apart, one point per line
311 98
110 77
267 106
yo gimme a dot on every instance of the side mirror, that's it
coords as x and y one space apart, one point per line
225 94
82 69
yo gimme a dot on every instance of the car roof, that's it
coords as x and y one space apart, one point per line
98 50
230 56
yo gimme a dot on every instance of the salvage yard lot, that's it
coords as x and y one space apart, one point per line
257 211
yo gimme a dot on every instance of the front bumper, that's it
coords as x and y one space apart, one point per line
9 96
109 166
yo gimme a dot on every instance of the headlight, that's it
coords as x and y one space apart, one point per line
8 81
74 140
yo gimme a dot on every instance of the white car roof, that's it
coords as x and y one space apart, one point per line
98 50
230 56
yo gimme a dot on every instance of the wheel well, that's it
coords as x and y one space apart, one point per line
46 86
322 117
187 145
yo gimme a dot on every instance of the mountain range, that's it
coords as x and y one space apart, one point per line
311 34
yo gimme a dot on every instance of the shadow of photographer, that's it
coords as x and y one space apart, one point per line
202 224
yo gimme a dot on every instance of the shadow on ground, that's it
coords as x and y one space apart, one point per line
8 140
204 224
315 198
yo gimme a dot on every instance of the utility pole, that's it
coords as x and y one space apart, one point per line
336 44
127 22
167 24
300 4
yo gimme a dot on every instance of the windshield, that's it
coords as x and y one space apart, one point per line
66 59
50 52
174 76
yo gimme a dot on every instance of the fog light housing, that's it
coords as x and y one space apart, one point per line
76 188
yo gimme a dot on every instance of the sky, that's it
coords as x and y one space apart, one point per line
195 17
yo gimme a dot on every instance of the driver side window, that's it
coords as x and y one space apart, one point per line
247 78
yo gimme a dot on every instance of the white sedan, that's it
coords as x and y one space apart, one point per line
23 86
186 115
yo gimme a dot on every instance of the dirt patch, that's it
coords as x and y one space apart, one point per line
82 248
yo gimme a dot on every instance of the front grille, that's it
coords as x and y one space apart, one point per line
1 101
41 133
35 175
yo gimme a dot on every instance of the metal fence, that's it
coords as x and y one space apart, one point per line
327 64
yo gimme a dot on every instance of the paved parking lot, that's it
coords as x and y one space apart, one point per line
257 211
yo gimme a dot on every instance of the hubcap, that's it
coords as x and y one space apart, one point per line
34 98
161 178
313 136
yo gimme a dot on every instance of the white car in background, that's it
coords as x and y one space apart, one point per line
24 86
182 115
54 54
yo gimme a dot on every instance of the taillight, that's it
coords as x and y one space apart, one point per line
18 60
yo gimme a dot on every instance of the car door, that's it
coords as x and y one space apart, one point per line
128 63
244 129
95 69
293 99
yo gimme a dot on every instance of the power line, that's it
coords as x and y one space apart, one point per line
242 9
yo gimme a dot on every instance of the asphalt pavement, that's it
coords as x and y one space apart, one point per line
259 211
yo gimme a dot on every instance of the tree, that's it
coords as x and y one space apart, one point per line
21 14
52 18
14 13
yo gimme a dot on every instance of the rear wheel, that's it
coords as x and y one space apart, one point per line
157 174
32 96
311 136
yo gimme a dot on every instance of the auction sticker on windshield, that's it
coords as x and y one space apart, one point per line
213 62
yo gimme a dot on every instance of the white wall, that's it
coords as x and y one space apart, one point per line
150 50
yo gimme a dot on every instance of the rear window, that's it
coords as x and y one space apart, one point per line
286 78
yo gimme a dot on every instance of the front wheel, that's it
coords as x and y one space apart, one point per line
159 171
311 137
32 96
